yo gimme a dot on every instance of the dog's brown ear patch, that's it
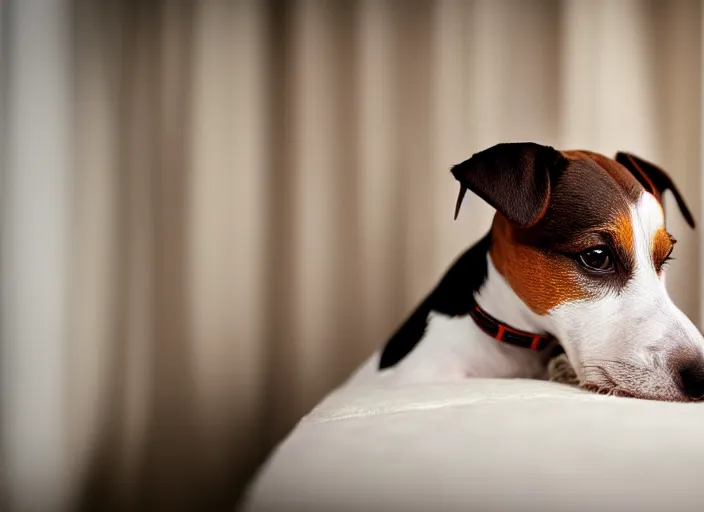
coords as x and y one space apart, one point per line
654 180
514 178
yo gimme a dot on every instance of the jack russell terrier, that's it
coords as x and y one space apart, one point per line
575 260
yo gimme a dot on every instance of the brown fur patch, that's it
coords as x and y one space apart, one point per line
623 235
662 245
542 280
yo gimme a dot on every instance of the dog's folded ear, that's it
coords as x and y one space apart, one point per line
654 180
514 178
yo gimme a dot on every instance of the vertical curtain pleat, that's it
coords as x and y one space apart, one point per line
413 47
450 135
379 184
138 124
95 266
321 165
228 222
172 430
36 253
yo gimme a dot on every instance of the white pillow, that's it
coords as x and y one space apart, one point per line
480 445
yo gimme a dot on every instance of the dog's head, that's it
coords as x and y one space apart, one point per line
581 240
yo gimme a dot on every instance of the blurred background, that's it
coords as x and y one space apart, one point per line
212 211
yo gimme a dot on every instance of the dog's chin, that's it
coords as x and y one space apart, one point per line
613 389
625 379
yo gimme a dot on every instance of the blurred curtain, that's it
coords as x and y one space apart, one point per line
212 211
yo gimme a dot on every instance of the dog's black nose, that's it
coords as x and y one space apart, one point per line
692 379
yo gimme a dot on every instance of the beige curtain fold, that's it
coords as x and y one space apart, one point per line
213 211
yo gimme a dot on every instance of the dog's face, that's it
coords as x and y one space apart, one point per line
581 240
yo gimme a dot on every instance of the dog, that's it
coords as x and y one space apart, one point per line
574 261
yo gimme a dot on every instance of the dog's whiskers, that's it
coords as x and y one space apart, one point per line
605 385
623 364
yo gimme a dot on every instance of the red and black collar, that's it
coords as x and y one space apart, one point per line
502 332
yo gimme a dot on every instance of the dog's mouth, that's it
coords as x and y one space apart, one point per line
620 379
611 390
620 392
629 381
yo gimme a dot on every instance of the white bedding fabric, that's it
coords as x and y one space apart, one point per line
486 445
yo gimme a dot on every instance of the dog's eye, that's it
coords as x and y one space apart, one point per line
597 259
669 254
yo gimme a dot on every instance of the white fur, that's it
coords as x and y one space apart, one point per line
455 348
